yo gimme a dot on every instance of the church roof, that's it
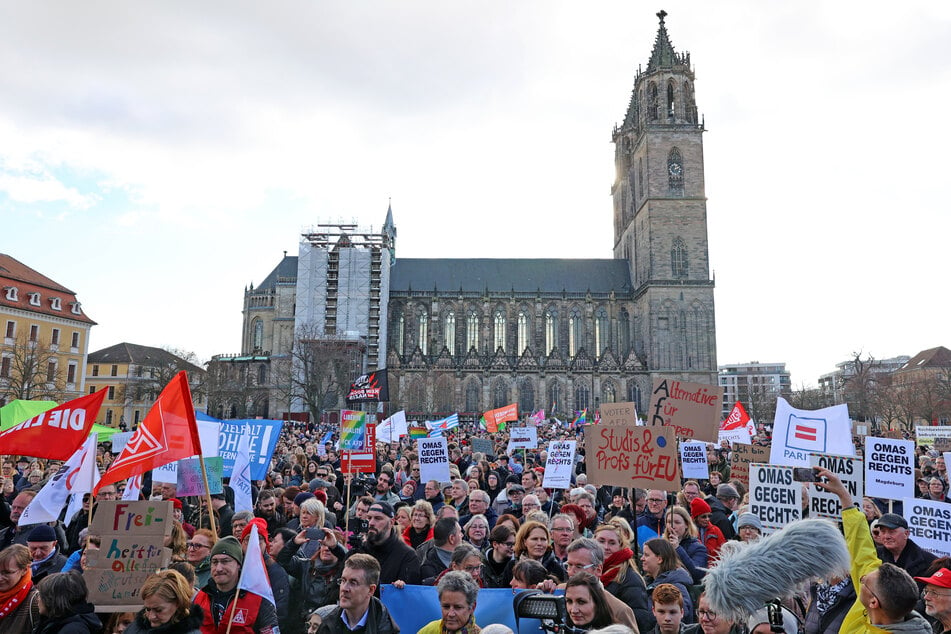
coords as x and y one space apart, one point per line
286 268
663 55
504 274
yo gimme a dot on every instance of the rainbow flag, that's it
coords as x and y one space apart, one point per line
581 418
353 429
418 432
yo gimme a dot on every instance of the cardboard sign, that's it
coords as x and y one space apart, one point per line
190 481
691 409
483 445
929 524
560 464
742 457
889 468
775 498
130 554
693 460
618 414
632 456
852 473
928 434
523 438
434 459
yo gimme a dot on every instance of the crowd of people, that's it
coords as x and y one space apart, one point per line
634 560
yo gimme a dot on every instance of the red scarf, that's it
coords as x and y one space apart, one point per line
12 598
613 564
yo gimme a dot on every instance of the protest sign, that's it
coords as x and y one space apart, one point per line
264 435
741 458
889 468
692 410
523 438
942 444
364 460
852 473
560 464
433 459
799 432
618 414
775 498
693 460
632 456
353 426
927 435
929 524
119 440
166 473
190 481
738 436
483 445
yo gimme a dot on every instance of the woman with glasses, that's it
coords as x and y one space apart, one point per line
619 572
476 532
713 623
587 606
19 608
420 529
660 564
498 556
199 555
465 558
168 608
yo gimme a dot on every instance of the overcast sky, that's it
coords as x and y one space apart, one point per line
156 157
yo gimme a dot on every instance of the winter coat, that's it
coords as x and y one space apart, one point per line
379 621
431 565
409 533
549 561
24 617
693 555
191 624
82 621
831 621
493 574
712 539
397 560
632 591
913 559
48 567
679 578
316 589
649 527
720 517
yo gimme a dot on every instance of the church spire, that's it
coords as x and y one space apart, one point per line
663 55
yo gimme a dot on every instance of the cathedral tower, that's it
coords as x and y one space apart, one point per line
660 217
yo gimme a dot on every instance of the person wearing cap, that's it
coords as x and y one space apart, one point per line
225 511
750 527
251 613
178 515
382 541
897 548
723 509
280 582
937 596
47 558
709 534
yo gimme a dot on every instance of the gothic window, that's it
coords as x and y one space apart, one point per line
675 173
501 394
582 397
652 101
634 395
423 319
473 397
640 176
551 331
608 394
398 335
554 396
624 325
600 331
526 396
449 332
257 335
498 322
472 331
678 259
574 332
262 374
522 333
444 394
416 396
670 100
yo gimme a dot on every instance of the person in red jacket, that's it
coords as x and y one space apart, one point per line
710 536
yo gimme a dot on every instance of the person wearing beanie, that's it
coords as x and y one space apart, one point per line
749 527
252 614
44 550
710 535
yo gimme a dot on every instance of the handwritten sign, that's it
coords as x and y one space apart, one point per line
189 476
691 409
775 498
632 456
560 464
742 457
618 414
483 445
523 438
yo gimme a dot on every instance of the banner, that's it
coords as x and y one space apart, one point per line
190 482
433 460
632 456
693 460
369 387
740 459
392 428
363 460
506 414
618 414
523 438
926 435
852 473
413 607
560 464
49 502
240 481
56 433
929 524
889 468
353 427
799 432
692 410
775 498
254 577
264 436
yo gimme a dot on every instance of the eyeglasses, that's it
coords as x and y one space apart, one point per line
934 593
578 567
656 499
708 615
471 569
195 545
862 582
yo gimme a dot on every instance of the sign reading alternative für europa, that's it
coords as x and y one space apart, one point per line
692 410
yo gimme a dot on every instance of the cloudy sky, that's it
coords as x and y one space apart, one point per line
156 157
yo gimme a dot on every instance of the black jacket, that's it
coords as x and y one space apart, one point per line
633 592
913 559
720 517
379 621
84 621
191 624
317 587
397 560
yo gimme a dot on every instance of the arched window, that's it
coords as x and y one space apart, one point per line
624 326
652 101
670 100
473 396
554 397
257 335
575 342
262 374
675 173
472 331
423 331
678 259
444 393
501 394
551 331
498 341
601 336
640 177
526 396
522 342
608 393
582 398
449 332
634 395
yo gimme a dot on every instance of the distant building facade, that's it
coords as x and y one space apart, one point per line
831 384
754 384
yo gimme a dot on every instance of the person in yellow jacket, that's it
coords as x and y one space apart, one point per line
886 594
457 600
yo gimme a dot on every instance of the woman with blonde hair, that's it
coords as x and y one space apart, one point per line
167 598
682 534
533 541
619 571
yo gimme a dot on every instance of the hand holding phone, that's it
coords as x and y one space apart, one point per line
804 474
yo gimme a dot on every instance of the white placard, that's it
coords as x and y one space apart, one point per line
739 435
433 459
693 460
929 524
852 473
775 498
889 468
166 473
799 432
208 436
560 464
523 438
927 434
119 441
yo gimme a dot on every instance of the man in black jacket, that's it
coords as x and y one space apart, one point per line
397 560
897 549
722 509
357 608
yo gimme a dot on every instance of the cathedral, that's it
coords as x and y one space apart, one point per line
468 335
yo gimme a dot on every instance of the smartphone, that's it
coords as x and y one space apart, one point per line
804 474
315 534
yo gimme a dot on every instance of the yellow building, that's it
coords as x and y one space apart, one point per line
45 336
135 375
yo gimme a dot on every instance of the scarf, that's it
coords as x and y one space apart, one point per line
613 564
468 628
12 598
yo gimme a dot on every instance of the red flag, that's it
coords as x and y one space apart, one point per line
737 419
56 433
168 433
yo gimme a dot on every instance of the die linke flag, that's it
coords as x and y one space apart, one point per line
57 433
168 433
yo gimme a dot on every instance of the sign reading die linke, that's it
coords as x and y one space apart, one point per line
632 456
133 537
692 410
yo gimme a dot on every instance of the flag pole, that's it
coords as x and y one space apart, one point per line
234 604
211 515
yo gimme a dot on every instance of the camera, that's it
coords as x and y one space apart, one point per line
550 609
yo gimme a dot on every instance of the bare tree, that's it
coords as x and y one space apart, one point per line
859 385
34 372
808 398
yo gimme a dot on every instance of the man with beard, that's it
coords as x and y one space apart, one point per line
384 489
397 560
268 511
